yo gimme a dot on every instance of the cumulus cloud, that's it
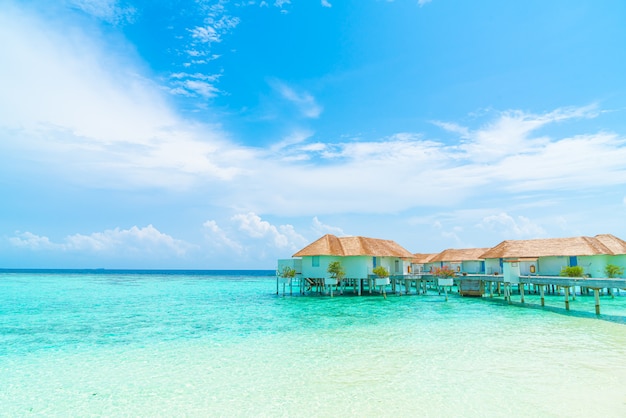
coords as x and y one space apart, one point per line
282 236
512 228
33 242
219 238
321 228
146 240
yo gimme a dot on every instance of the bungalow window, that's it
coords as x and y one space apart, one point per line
374 261
315 261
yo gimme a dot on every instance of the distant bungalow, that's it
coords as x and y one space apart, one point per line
466 260
546 257
538 261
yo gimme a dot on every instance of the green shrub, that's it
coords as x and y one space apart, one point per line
380 271
612 270
573 271
336 270
287 272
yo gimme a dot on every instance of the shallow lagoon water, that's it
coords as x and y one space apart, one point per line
150 344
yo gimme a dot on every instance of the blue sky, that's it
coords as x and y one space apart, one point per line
227 134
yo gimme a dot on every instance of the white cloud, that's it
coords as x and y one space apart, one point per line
206 34
146 240
512 228
322 229
33 242
423 2
326 3
107 126
304 101
283 236
219 238
107 10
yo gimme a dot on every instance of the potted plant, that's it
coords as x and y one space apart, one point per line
382 275
337 273
613 271
286 274
573 271
445 276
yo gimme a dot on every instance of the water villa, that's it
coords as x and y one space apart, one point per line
377 265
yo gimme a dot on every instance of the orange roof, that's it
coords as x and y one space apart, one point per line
575 246
419 258
352 246
465 254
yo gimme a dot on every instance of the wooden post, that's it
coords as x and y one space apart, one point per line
567 298
596 294
445 291
521 291
541 292
490 289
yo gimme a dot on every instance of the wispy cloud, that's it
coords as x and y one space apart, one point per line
423 2
303 100
108 10
326 3
194 84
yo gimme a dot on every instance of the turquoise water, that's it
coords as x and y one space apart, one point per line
223 344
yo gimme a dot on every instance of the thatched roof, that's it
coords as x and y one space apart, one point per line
419 258
458 255
351 246
575 246
616 245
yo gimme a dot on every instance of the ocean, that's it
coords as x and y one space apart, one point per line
223 344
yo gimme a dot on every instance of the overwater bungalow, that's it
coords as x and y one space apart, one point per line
358 257
465 260
547 257
421 263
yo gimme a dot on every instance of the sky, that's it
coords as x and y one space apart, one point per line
227 134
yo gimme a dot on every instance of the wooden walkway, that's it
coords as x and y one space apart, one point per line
542 282
466 284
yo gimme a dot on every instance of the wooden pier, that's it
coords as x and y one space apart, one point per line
480 285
